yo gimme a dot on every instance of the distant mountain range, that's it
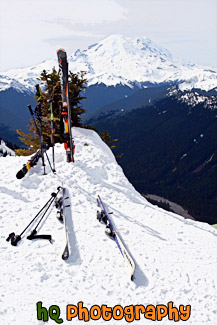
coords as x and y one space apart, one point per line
119 60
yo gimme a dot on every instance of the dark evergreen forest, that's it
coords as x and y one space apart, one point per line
169 149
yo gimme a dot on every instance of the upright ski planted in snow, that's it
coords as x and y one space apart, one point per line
66 112
111 232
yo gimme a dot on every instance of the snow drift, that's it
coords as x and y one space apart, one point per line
175 258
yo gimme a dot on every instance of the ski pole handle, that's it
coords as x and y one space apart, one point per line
38 94
37 88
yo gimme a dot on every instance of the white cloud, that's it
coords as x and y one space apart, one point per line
32 30
31 26
28 26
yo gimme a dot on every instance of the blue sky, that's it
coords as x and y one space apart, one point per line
32 30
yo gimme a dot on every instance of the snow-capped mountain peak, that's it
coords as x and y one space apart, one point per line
122 60
118 59
118 45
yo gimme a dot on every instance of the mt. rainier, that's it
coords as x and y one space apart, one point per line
119 60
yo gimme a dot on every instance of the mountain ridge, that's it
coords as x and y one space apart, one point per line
148 96
168 147
121 60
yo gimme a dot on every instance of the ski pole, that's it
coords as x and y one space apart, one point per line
39 134
16 238
38 116
52 130
31 112
41 140
34 232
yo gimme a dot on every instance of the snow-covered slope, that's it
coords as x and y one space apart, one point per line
175 258
25 79
193 98
4 150
122 60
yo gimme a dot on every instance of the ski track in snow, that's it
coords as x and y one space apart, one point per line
175 258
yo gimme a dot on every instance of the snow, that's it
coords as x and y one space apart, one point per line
122 60
4 150
7 82
174 207
25 79
175 258
192 98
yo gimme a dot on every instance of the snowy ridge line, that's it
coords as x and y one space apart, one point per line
193 98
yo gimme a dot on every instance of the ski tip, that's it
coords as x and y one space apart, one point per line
132 277
61 50
20 174
65 257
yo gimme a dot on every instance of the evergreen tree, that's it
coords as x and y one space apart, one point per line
107 139
50 82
